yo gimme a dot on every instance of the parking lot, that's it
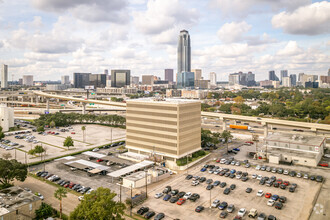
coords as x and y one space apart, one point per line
96 135
297 206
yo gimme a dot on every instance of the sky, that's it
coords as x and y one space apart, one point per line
51 38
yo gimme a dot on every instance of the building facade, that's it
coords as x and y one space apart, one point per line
148 79
170 128
135 80
4 76
65 80
293 78
169 75
198 74
202 84
80 80
286 82
6 117
28 80
120 78
185 80
98 80
213 79
284 73
184 52
272 76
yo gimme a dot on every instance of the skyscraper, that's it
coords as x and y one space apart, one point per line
147 79
213 79
198 73
169 75
185 79
184 52
293 78
272 76
284 73
4 76
28 80
120 78
80 80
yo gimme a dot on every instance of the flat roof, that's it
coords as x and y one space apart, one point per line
93 154
86 163
105 157
163 101
296 138
130 169
136 176
295 153
14 197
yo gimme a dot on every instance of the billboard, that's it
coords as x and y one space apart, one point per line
89 87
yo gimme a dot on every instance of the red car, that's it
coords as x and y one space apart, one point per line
324 164
218 160
181 201
53 132
249 142
279 181
99 160
49 132
73 132
268 195
71 185
286 183
66 185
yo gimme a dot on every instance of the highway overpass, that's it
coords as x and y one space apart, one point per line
264 121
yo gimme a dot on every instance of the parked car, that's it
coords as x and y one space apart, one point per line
167 197
230 208
271 202
158 195
226 191
278 205
142 210
159 216
223 205
253 213
149 214
260 193
241 212
181 201
248 190
199 208
262 216
223 214
215 203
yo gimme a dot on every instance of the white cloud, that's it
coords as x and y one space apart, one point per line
243 8
164 15
308 20
291 49
88 10
1 43
233 32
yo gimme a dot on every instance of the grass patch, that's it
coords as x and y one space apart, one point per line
53 145
53 184
72 154
195 156
74 140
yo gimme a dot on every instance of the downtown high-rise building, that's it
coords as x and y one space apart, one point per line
4 76
184 52
65 80
198 74
272 76
213 79
284 73
169 75
293 78
120 78
28 80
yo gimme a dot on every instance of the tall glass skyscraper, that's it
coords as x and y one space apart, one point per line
184 52
185 80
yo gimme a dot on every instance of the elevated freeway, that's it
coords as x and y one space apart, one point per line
264 121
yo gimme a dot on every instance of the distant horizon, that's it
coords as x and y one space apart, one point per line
48 39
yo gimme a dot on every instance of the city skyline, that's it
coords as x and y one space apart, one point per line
48 39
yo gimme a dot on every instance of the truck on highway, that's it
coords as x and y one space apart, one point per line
240 127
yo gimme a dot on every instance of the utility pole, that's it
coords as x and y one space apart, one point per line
146 183
210 198
131 201
187 163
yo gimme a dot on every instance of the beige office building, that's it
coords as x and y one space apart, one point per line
170 129
198 74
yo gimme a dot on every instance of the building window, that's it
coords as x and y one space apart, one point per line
30 207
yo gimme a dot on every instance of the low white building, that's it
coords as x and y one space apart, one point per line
6 117
294 149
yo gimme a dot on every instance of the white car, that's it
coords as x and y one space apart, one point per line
187 196
81 198
158 195
258 167
259 177
210 171
195 183
286 172
238 176
223 160
215 203
216 172
39 195
254 176
95 149
270 202
260 193
241 212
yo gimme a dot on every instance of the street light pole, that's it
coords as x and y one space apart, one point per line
131 201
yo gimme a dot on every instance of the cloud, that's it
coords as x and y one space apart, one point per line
258 40
241 9
1 44
163 15
291 49
233 32
312 19
88 10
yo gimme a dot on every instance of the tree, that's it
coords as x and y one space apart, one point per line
6 156
68 142
44 211
226 135
37 150
239 99
2 135
52 124
59 194
40 129
99 204
83 128
10 170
